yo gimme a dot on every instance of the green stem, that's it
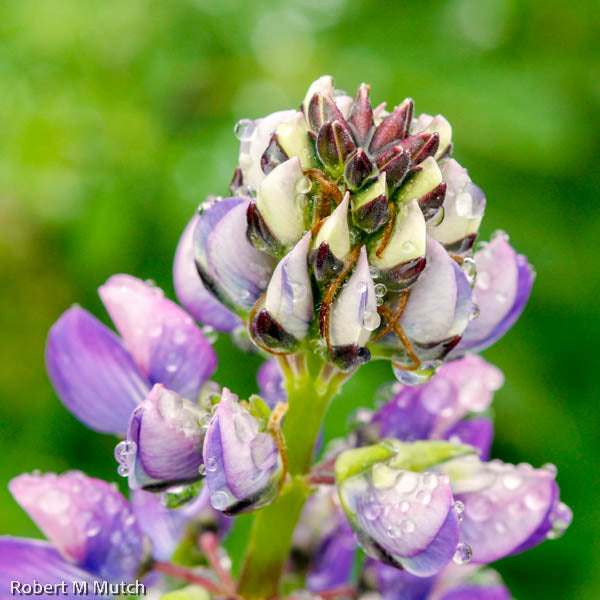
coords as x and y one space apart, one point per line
271 536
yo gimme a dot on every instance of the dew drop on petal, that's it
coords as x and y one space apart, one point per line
459 507
462 554
373 511
54 502
406 482
512 481
371 320
211 464
407 526
303 185
483 280
423 496
243 129
219 500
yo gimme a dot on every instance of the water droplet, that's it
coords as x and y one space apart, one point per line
202 470
408 247
211 464
464 205
535 500
407 526
210 334
371 320
373 511
219 500
123 470
501 298
406 482
155 331
243 129
393 531
459 507
550 468
379 301
423 496
469 268
124 450
374 271
303 185
54 502
462 554
512 481
500 527
521 260
380 290
475 312
430 480
404 506
116 537
483 280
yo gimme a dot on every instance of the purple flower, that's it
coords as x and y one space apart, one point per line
453 583
270 383
437 409
369 185
507 508
101 378
191 292
164 441
93 532
502 287
243 467
402 514
230 267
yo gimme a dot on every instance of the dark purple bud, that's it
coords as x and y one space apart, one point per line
273 156
421 145
431 202
371 215
324 263
394 127
322 109
462 245
349 356
272 334
403 275
361 115
334 145
358 168
258 232
237 181
395 162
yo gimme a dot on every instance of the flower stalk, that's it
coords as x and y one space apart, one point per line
310 387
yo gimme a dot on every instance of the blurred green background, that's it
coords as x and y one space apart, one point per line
116 120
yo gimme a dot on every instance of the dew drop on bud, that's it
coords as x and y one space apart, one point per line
303 185
408 247
243 129
211 464
371 320
380 290
219 500
379 301
463 554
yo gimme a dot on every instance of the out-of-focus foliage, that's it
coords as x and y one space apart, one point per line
116 120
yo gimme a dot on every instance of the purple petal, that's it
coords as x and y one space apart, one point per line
403 517
429 313
507 508
166 527
92 373
470 591
395 584
27 561
242 463
190 290
237 271
478 433
86 519
163 339
168 436
502 288
333 559
289 296
270 383
433 409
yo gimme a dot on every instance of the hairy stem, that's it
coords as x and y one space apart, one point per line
271 537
